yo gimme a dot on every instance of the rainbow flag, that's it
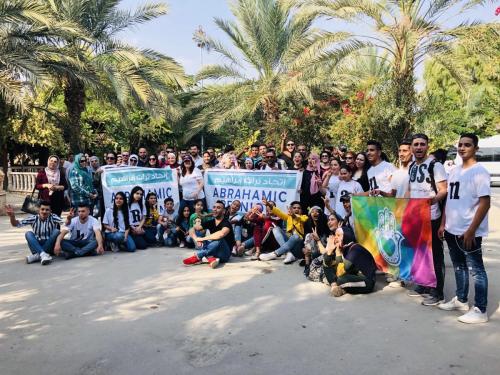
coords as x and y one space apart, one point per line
398 234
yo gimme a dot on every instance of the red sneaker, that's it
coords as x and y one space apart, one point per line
191 261
213 262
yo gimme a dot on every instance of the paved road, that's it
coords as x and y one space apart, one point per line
145 314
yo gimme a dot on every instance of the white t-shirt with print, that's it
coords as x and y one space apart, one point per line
83 231
379 176
344 188
135 213
465 187
399 182
109 220
333 186
420 183
189 184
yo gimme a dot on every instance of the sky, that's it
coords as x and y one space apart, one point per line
172 34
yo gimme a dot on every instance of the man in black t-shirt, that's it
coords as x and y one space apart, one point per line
218 244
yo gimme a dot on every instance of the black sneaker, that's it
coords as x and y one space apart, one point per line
419 291
67 255
306 270
433 301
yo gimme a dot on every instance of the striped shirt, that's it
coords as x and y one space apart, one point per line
42 228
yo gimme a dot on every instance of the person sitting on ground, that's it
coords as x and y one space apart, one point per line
166 227
256 217
291 241
117 225
45 229
234 216
152 216
137 217
359 265
348 219
218 244
315 229
85 232
182 227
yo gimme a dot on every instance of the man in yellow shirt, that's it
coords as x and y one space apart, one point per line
292 241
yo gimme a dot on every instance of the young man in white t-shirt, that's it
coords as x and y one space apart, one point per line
380 172
464 225
85 232
400 177
428 180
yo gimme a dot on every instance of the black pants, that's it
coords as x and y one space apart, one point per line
356 284
438 259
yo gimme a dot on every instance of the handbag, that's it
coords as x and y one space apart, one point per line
30 204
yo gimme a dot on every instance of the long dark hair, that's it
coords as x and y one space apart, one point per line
135 189
181 218
366 166
148 207
184 169
123 209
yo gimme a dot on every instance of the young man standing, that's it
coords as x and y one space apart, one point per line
400 177
427 179
271 162
41 239
380 172
464 225
195 154
86 237
143 157
218 244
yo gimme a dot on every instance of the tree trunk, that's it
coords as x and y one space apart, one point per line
3 142
74 98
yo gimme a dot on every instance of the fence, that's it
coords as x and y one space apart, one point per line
21 182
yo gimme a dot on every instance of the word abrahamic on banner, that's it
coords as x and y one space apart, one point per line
250 186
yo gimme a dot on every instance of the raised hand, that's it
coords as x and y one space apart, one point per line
389 239
9 210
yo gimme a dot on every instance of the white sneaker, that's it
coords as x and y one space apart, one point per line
250 252
473 316
182 244
290 258
33 258
45 258
454 304
269 256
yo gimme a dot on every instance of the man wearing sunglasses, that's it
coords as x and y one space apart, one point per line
41 239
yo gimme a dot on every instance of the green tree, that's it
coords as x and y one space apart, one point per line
408 31
275 59
118 73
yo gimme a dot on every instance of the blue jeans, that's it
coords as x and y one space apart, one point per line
119 239
463 260
150 235
139 240
171 239
217 248
237 232
37 246
293 243
79 248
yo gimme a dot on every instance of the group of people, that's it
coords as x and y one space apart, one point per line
317 230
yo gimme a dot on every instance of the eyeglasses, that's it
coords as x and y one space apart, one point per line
110 158
290 144
133 160
349 157
125 154
324 156
154 159
83 160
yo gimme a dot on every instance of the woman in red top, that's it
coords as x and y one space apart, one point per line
51 183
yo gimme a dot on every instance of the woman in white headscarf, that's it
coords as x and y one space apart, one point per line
51 183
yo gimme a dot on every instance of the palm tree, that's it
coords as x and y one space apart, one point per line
409 31
29 35
114 71
276 58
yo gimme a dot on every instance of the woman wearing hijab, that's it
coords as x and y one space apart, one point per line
310 194
359 266
80 181
51 183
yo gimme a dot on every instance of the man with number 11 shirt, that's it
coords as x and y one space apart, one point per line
464 225
427 179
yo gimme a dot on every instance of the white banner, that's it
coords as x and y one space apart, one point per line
249 187
162 181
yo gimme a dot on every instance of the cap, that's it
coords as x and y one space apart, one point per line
345 198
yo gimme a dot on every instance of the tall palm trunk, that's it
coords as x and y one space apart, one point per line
74 98
4 109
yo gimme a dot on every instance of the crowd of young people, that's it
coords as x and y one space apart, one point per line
317 230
